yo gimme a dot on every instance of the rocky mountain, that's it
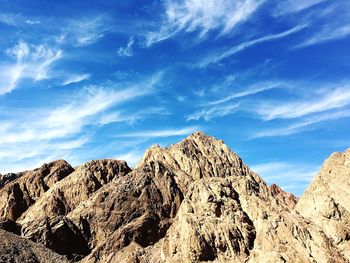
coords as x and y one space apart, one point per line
191 202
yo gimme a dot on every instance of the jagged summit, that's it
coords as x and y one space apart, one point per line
193 201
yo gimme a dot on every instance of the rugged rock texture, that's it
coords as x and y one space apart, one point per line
7 178
194 201
282 196
67 194
198 156
45 221
326 202
15 249
136 208
18 195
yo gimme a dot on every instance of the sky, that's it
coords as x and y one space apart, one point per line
82 80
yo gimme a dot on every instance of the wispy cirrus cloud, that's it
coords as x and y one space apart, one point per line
291 176
327 33
119 116
330 99
294 6
252 90
212 109
160 133
65 127
131 157
85 31
17 20
202 16
302 125
76 78
244 45
213 112
31 62
127 51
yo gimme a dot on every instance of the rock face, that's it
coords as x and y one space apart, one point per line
7 178
18 195
326 202
15 249
194 201
284 197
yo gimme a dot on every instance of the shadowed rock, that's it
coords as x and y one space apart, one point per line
195 201
18 195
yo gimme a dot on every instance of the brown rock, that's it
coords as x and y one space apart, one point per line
7 178
15 249
191 202
136 208
58 234
17 196
45 223
67 194
287 198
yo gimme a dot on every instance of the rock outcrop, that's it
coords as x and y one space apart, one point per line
19 194
16 249
195 201
326 202
7 178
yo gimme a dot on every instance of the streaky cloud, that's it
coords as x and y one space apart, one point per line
301 125
330 99
326 34
255 89
160 133
244 45
202 16
76 79
294 6
213 112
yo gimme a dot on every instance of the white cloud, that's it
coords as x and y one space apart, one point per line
126 51
85 31
130 118
294 6
255 89
290 176
302 125
27 138
327 33
44 66
32 22
202 16
181 98
19 51
222 55
32 62
213 112
160 133
17 20
76 78
332 99
9 77
132 157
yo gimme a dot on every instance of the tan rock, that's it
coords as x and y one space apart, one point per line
326 202
78 187
191 202
287 198
137 208
18 195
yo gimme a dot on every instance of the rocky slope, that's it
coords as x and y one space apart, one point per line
194 201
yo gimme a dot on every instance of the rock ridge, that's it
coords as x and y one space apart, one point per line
194 201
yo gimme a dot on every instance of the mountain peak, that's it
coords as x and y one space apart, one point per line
193 201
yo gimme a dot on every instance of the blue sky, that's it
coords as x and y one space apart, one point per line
83 80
